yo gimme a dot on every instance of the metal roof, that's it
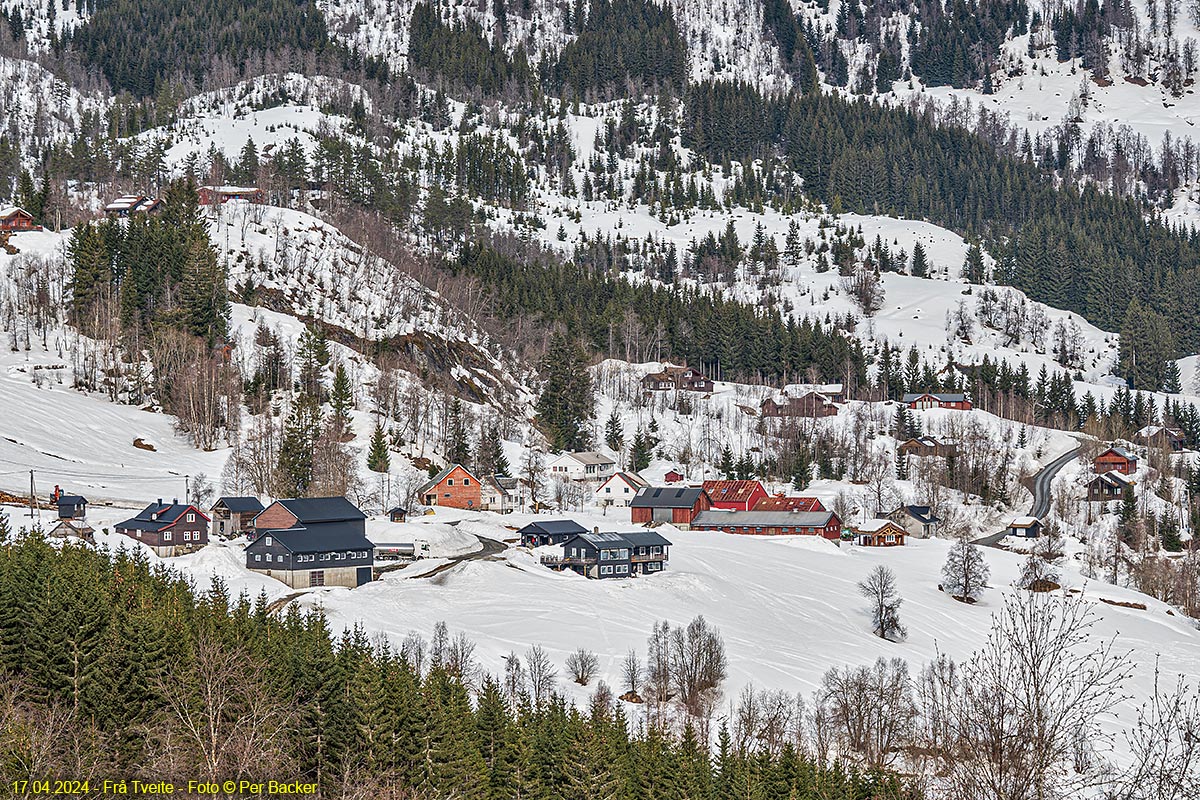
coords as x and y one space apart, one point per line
633 539
762 519
666 497
956 397
321 537
554 527
240 505
322 509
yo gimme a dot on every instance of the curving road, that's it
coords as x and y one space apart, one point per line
1041 493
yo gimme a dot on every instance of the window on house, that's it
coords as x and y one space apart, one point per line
466 481
450 482
622 569
606 569
623 554
268 557
258 556
167 536
267 541
191 517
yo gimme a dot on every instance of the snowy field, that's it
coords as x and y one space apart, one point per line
787 607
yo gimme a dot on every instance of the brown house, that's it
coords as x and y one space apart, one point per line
675 506
169 529
809 404
920 401
1115 459
1162 438
1106 487
453 487
685 379
927 446
879 533
16 219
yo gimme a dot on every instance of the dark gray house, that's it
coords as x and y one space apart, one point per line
71 506
612 555
552 531
323 543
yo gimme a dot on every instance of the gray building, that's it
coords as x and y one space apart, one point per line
613 555
326 545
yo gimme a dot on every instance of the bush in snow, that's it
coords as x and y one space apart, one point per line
582 665
1038 574
965 573
879 587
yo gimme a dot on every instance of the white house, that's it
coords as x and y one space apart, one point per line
582 466
620 489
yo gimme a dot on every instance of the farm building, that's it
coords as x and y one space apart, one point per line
612 555
771 523
620 489
453 487
878 533
735 495
169 529
231 516
781 502
308 542
671 505
71 506
921 401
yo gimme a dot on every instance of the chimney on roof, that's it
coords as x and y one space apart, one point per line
159 501
174 501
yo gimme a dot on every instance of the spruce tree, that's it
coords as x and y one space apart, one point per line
341 399
920 265
379 459
565 406
614 432
294 472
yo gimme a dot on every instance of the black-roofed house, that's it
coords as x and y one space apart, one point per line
71 506
613 555
309 542
1107 487
398 514
793 522
231 516
919 521
674 505
169 529
551 531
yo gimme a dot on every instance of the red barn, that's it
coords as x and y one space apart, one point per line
735 495
1115 459
16 219
670 505
782 503
453 487
771 523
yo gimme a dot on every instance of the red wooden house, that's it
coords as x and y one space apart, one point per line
212 195
16 219
735 495
1115 459
453 487
676 506
673 476
809 404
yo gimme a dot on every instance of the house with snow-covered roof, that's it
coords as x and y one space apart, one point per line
1116 459
620 489
14 219
918 521
1107 487
1025 527
878 533
586 466
920 401
1162 437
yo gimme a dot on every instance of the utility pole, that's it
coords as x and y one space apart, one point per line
187 480
31 500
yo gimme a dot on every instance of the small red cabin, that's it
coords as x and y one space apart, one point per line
676 506
1115 459
16 219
